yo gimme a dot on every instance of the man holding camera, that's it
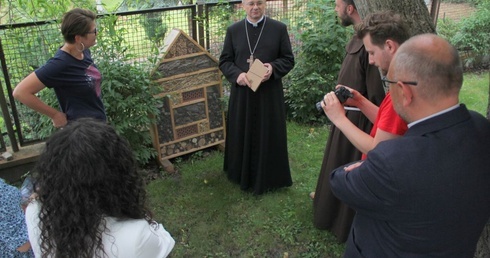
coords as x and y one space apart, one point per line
425 193
328 211
382 34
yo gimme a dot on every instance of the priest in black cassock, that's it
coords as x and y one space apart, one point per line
256 155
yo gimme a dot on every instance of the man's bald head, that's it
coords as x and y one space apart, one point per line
425 77
431 61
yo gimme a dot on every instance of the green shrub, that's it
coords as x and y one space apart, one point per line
127 90
447 28
317 63
474 31
471 35
154 26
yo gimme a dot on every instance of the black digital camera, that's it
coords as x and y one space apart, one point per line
342 94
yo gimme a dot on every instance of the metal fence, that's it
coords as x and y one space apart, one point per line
25 47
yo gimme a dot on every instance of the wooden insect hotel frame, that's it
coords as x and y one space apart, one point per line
191 116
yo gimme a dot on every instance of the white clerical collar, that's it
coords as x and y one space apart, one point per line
433 115
255 24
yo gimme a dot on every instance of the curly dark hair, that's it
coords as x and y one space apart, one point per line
85 173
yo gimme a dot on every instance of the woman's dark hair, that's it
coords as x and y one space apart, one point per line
85 173
76 22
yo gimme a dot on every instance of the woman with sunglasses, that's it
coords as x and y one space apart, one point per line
71 73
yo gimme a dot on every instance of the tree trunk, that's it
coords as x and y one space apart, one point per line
483 246
414 12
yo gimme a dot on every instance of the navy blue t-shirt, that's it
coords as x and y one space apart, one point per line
76 84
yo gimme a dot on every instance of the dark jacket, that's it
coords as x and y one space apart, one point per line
426 194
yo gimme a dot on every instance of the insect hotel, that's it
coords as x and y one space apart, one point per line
191 116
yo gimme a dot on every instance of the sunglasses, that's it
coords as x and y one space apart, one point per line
94 32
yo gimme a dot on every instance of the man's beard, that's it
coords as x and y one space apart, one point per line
346 21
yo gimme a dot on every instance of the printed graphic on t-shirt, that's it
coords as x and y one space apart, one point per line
93 79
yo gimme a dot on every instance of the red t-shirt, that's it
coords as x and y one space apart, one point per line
388 120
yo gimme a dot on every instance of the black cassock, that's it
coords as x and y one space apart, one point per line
256 155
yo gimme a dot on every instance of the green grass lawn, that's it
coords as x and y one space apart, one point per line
474 92
210 217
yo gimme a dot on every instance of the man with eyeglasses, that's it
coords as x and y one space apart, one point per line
425 194
382 34
256 154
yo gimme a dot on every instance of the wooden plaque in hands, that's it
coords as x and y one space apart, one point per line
256 73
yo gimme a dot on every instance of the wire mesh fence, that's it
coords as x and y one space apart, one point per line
27 46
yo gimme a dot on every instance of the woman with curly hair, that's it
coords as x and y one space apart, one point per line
90 198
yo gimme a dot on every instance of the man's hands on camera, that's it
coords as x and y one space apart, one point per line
354 100
332 107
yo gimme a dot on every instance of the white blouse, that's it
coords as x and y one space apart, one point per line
126 238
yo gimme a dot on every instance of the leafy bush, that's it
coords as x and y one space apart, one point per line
30 11
470 35
447 28
127 91
474 31
154 26
317 63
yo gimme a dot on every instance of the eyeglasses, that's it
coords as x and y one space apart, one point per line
385 80
94 32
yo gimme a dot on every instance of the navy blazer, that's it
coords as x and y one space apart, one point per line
426 194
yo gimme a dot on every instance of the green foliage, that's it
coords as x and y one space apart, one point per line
471 33
474 31
474 92
154 27
153 23
36 124
447 28
224 15
317 63
39 10
146 4
127 90
303 92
